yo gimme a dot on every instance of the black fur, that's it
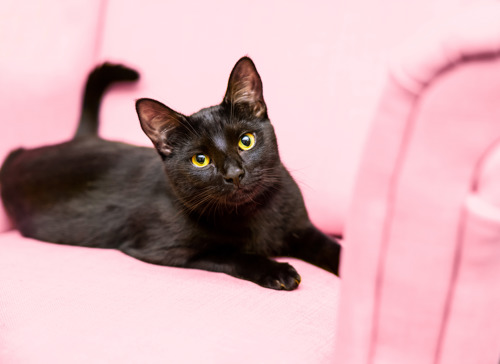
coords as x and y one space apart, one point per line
229 216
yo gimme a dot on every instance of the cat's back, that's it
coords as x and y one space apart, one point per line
83 179
73 163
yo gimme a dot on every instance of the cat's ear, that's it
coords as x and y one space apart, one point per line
157 122
245 88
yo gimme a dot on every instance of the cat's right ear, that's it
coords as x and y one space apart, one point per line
157 122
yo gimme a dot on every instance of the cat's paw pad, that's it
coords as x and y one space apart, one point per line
282 276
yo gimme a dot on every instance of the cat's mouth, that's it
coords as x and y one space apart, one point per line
237 195
243 194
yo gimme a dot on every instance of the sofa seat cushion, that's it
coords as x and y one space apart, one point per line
79 305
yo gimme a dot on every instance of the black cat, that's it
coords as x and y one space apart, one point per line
216 198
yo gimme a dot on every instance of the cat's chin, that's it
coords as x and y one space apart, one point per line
238 197
244 196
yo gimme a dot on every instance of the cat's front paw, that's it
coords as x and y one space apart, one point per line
280 276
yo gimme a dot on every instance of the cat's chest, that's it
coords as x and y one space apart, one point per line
258 233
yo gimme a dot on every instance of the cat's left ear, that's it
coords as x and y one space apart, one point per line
245 88
157 122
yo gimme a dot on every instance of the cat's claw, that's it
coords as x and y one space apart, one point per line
282 277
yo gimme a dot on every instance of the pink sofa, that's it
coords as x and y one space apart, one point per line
419 230
421 265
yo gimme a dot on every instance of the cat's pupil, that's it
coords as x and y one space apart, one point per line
200 158
246 141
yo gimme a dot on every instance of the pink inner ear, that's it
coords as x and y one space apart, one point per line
157 121
243 91
146 113
152 118
148 110
156 116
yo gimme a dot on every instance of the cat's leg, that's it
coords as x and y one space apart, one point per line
255 268
314 247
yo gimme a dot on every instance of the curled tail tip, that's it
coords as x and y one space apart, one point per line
115 72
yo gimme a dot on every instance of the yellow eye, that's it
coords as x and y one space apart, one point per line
200 160
247 141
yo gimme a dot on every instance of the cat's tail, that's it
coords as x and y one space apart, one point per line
97 83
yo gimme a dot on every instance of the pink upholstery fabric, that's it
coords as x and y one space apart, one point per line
473 317
421 262
61 304
473 31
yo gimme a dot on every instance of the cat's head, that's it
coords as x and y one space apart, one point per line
223 156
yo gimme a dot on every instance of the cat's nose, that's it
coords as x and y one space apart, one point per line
234 174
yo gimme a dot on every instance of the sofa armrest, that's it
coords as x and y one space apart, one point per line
473 317
408 236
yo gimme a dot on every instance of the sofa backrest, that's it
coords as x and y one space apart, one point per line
321 63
